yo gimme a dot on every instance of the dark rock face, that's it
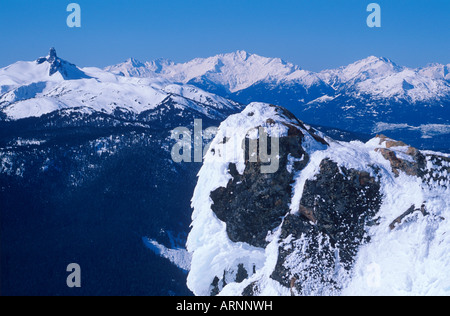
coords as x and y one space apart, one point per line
335 210
251 290
218 284
441 171
254 203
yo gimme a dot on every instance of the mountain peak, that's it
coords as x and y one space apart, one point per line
58 65
370 67
374 58
52 54
375 61
242 54
135 63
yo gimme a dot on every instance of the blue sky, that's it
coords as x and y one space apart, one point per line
315 34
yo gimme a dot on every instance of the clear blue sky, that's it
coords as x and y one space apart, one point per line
315 34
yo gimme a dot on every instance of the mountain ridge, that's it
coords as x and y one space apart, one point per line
32 89
359 97
278 70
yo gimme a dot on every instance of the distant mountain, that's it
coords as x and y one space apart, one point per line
236 72
32 89
359 97
232 72
380 78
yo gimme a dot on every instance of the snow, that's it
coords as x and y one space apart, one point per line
213 253
383 79
25 72
412 259
195 94
179 257
143 85
28 142
427 130
322 99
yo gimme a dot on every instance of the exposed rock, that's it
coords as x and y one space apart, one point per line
336 208
308 213
251 290
254 203
410 211
390 142
52 55
441 171
66 69
412 168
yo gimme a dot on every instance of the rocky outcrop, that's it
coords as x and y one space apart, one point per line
300 230
58 65
252 204
335 210
410 211
413 164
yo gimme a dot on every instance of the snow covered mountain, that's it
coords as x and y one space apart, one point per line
358 97
86 173
336 218
32 89
236 72
380 78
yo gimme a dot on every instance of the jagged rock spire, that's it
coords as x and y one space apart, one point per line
51 58
66 69
52 55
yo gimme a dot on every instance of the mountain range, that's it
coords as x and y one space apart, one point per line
32 89
236 72
371 95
